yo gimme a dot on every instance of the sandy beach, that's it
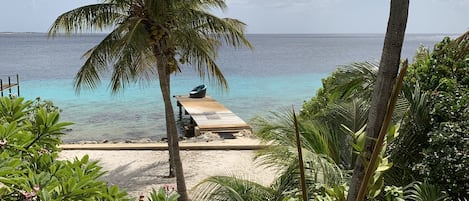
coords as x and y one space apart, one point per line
138 171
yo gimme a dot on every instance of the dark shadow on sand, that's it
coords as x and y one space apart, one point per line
137 179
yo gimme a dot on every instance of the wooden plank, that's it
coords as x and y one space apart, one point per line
7 86
210 115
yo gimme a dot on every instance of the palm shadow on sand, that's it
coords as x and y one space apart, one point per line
138 178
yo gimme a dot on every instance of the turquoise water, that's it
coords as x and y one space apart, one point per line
138 112
282 70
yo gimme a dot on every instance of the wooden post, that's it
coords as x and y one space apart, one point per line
1 86
9 86
196 131
18 84
180 112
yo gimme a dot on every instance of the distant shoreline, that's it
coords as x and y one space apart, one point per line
261 34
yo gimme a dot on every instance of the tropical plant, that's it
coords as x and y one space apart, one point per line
319 146
153 39
232 189
347 82
433 142
405 151
165 193
29 170
331 136
324 179
423 191
341 106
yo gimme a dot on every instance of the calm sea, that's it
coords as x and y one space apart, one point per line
281 71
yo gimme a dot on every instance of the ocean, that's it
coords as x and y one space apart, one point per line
283 70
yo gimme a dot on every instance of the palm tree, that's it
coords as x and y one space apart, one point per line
285 186
387 73
320 152
341 107
152 39
229 188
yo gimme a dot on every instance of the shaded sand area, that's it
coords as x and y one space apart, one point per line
138 171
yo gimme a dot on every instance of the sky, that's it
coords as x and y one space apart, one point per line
275 16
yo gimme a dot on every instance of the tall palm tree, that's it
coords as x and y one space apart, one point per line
387 74
152 39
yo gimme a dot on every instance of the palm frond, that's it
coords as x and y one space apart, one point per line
225 188
316 138
211 4
97 61
357 80
199 35
226 29
336 122
96 17
319 173
418 191
200 51
353 114
320 147
415 124
135 61
276 128
323 169
126 49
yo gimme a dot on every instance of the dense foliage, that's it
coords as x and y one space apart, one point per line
29 170
425 156
426 152
30 133
444 75
341 107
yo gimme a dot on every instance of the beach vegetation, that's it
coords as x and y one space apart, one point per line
165 193
425 153
433 146
151 40
30 133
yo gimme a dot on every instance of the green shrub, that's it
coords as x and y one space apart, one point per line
165 193
441 134
29 170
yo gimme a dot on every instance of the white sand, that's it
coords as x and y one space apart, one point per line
140 171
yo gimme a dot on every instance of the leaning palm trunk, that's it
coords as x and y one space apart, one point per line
387 73
173 142
382 133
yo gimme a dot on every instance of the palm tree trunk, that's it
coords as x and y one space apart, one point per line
387 73
173 138
167 85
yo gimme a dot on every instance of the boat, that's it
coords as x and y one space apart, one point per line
198 91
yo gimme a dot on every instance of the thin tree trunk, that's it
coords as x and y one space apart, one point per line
387 73
164 76
172 171
173 142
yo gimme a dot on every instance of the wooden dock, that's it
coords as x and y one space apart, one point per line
208 115
9 85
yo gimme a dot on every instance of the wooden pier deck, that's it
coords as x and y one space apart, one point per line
209 115
9 85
